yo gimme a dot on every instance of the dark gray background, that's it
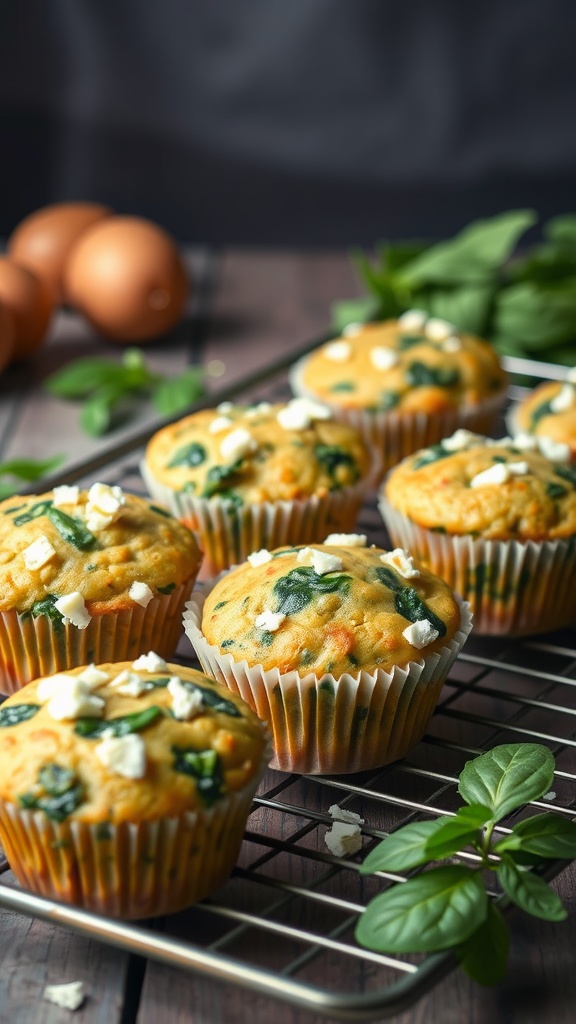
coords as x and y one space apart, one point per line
289 121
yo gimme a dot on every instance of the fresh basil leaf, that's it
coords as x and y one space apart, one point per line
30 469
530 892
507 776
96 416
352 311
16 713
436 910
467 306
457 832
545 835
94 728
297 589
81 377
175 394
484 956
472 255
536 315
562 231
403 849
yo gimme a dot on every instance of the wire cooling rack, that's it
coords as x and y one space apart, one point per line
283 926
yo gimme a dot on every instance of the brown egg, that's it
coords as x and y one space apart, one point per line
43 240
29 300
7 336
127 277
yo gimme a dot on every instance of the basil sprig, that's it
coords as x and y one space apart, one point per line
447 907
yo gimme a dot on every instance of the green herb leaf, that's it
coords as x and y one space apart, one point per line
94 728
507 777
16 713
484 956
204 767
352 311
407 601
55 779
457 832
58 793
39 508
214 699
331 458
176 394
546 835
29 469
219 477
72 530
190 455
297 589
403 849
530 892
436 910
420 375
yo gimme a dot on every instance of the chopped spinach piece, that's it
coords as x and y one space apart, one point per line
555 490
406 341
214 699
429 455
204 767
72 530
227 643
16 713
103 831
542 410
331 457
47 606
388 400
167 589
189 487
56 780
343 385
231 499
265 637
407 601
219 477
296 590
94 728
40 508
219 605
190 455
58 793
421 375
160 511
15 508
567 473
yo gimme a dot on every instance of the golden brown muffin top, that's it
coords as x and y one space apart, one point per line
550 411
519 488
126 742
330 608
415 363
258 453
98 543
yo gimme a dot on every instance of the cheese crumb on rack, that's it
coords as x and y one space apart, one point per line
69 996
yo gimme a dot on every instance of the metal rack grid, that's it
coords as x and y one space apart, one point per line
287 916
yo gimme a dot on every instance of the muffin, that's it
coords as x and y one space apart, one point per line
260 476
497 521
549 411
88 575
125 788
405 383
343 649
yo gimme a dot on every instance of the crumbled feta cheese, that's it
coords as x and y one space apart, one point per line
518 468
49 686
38 553
140 593
383 358
185 703
65 495
257 410
525 442
402 562
351 330
238 444
130 684
269 620
219 424
338 351
123 755
93 676
571 375
412 320
421 633
549 796
438 330
554 451
103 506
460 440
259 557
496 474
224 407
69 697
300 413
319 560
72 609
343 838
452 344
69 996
341 814
564 399
347 540
150 662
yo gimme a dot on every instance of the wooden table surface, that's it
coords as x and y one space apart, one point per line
248 307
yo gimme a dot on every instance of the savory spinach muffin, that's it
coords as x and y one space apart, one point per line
263 475
549 411
497 521
343 649
88 575
125 787
405 383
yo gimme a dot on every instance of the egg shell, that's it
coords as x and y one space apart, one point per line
43 240
127 277
30 302
7 336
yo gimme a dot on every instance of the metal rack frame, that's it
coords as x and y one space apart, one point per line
290 907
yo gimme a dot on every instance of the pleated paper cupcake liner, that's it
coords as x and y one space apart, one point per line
32 647
227 535
129 870
391 436
513 587
324 725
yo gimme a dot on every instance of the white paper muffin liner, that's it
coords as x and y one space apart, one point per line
324 725
513 587
32 647
133 869
227 535
391 436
